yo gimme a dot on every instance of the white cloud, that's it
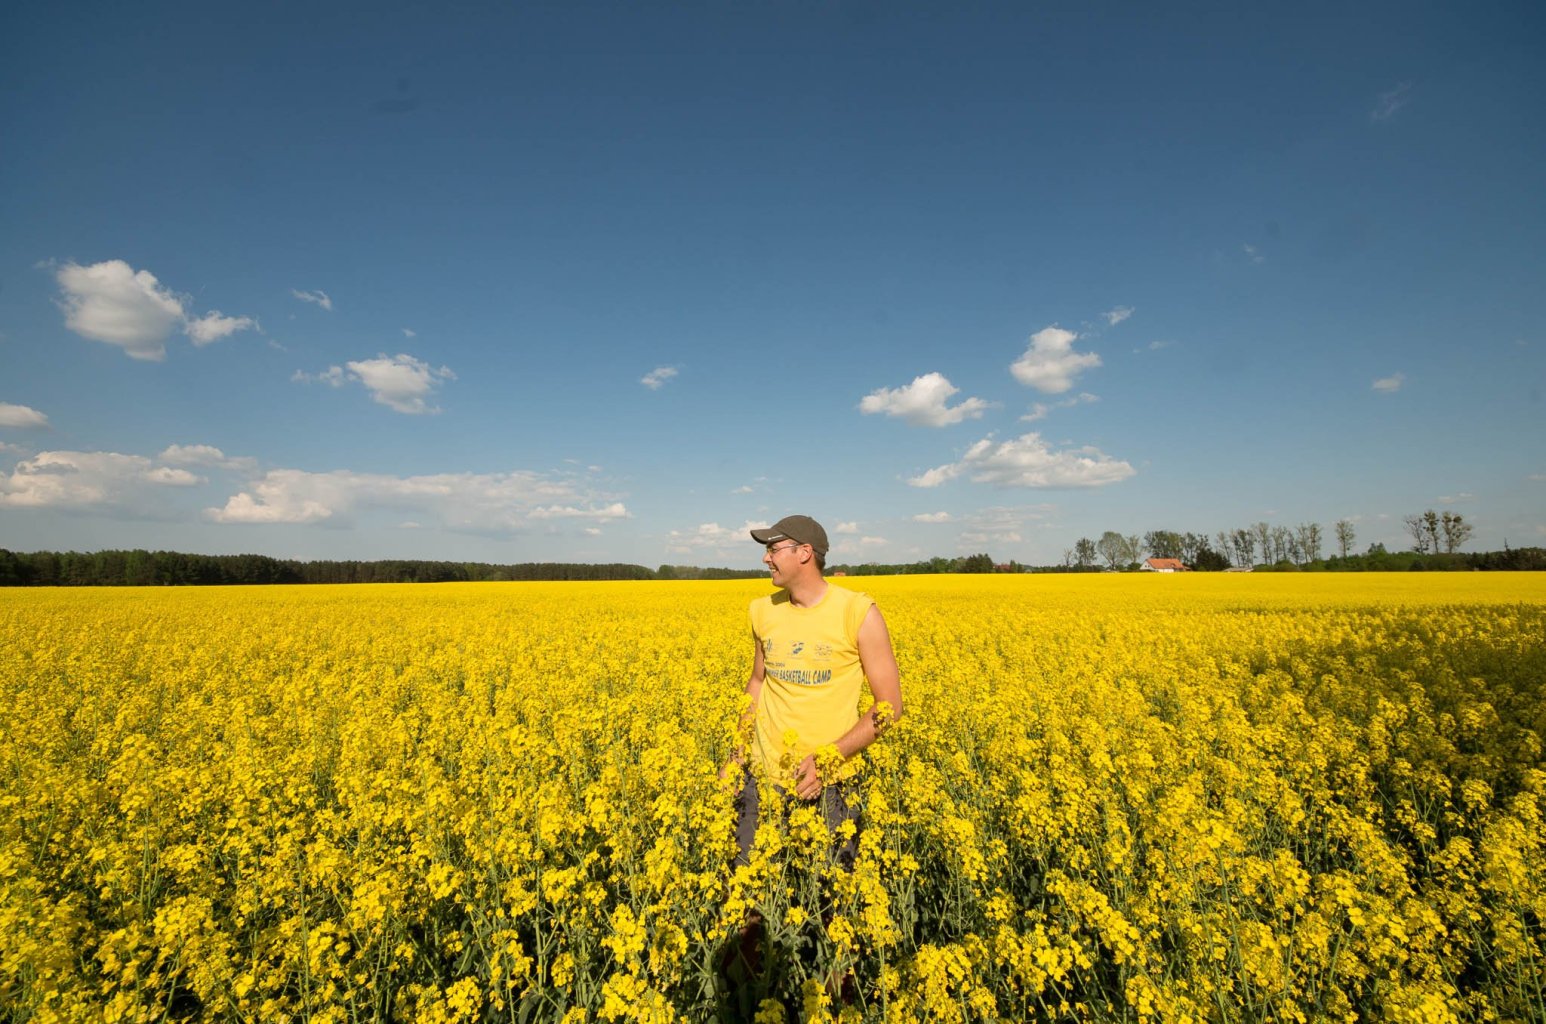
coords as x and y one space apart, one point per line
656 378
1252 254
409 333
1041 410
933 517
205 455
981 537
743 489
21 416
1456 499
716 539
922 402
1390 101
873 542
1117 315
846 528
486 502
193 455
1001 524
333 377
112 302
1027 461
399 382
69 479
215 326
616 510
276 506
1537 477
318 297
173 477
1050 364
1390 385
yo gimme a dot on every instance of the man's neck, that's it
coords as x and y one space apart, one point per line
806 592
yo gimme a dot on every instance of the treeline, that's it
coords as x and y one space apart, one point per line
695 572
968 564
1436 542
141 568
1377 559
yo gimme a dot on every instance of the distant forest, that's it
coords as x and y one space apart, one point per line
140 568
172 568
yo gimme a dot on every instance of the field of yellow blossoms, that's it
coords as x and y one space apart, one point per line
1134 798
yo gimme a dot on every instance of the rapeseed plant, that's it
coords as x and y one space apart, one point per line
1113 798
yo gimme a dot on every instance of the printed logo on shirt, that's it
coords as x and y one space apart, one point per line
797 647
801 677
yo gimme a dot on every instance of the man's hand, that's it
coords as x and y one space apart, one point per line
807 779
730 776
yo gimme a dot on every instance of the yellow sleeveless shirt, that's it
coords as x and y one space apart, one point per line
812 678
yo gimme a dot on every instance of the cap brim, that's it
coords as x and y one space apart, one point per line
768 535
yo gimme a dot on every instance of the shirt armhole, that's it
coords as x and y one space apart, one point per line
857 611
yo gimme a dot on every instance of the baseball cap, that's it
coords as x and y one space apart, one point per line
802 529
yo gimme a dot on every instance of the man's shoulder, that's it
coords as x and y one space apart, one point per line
773 600
767 605
852 600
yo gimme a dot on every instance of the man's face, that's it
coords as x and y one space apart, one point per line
781 559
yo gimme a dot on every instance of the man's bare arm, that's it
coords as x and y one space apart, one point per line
754 691
879 662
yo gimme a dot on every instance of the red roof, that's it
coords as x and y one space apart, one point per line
1167 563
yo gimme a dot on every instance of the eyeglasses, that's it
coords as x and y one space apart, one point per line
774 549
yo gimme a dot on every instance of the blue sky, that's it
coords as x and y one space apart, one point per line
585 282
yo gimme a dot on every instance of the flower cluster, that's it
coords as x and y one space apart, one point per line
1112 798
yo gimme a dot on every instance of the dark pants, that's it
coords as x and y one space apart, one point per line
839 803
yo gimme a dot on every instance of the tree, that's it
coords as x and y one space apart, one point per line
1431 524
1112 546
1134 549
1208 560
1192 545
1244 543
1084 552
1418 531
1456 531
1344 536
975 563
1285 546
1308 537
1162 543
1263 535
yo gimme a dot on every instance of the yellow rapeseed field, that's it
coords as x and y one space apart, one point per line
1177 798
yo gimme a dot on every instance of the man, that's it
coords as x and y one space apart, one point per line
815 645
